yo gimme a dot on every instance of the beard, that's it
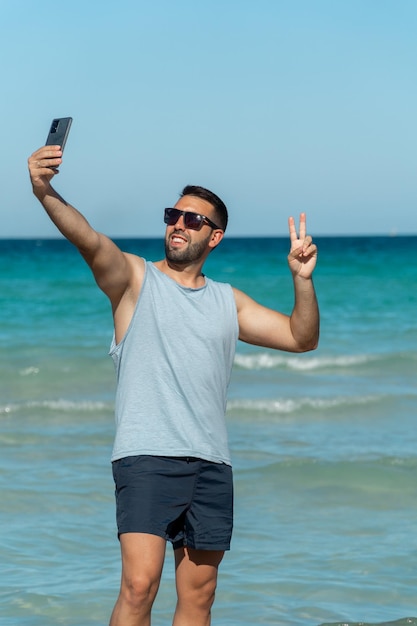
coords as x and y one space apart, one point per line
188 254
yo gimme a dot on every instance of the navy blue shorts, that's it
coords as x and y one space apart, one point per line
185 500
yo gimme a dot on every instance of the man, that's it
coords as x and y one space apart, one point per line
175 332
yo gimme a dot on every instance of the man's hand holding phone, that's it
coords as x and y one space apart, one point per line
44 163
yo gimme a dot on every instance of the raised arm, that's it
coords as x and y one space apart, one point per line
111 267
298 332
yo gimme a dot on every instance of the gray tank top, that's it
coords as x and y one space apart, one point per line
173 368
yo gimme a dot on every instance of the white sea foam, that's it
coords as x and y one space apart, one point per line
29 371
288 405
271 360
61 405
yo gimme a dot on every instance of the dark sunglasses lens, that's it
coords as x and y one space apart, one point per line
193 221
171 216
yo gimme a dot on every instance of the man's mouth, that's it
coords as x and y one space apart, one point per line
178 240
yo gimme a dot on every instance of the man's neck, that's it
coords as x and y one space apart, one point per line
187 275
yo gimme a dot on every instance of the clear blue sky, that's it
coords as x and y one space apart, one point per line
279 106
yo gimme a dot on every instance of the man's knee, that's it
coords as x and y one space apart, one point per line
205 594
139 591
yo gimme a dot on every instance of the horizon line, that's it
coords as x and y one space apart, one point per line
58 237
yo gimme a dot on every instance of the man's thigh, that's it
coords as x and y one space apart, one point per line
142 557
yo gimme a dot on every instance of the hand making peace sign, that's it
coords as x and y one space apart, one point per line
303 253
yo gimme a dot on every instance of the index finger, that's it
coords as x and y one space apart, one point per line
47 152
291 226
302 226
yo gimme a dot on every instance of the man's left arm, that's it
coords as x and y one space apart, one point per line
298 332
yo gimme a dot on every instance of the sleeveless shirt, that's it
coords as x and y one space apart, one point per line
173 369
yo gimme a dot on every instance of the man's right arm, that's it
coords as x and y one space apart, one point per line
111 267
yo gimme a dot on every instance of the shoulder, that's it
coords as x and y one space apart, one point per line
138 267
242 299
135 260
134 272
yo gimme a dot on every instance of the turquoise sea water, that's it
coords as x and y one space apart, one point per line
324 444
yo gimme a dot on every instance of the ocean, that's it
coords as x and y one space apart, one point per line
324 444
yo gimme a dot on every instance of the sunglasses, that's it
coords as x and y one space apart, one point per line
193 221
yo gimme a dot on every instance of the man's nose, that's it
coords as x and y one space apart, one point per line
180 224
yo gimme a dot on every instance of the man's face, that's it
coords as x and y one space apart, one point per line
184 245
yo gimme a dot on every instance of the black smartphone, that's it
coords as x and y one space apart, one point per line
58 133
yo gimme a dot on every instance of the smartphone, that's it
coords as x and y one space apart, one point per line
58 133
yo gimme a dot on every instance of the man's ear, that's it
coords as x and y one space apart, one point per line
216 238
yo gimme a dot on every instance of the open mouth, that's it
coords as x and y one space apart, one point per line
177 240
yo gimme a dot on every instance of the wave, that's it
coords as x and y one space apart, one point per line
29 371
290 405
272 360
61 405
364 481
364 467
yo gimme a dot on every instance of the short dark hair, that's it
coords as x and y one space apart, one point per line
218 204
